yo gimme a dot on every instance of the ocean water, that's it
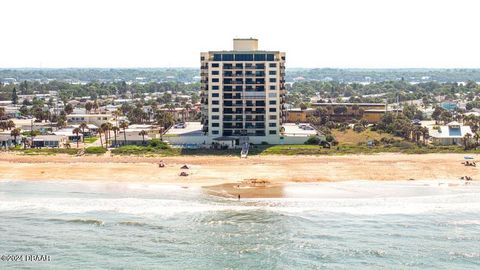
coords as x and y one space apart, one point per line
345 225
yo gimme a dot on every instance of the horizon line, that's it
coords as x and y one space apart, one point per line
184 67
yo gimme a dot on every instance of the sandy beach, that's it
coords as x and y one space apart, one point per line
256 176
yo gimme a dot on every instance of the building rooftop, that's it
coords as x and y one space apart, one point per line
449 131
301 130
190 129
90 115
348 104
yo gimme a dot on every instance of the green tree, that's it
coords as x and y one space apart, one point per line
77 131
143 133
14 96
124 126
15 133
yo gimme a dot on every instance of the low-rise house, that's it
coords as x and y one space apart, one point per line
49 141
451 134
96 119
89 131
348 111
42 127
297 115
7 141
68 132
131 138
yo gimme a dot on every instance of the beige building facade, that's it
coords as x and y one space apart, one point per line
243 93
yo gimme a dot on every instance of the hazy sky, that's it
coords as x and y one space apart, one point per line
171 33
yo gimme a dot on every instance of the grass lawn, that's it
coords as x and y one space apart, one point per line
95 150
47 151
145 151
350 137
91 139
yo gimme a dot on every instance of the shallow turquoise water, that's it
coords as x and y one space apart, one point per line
348 225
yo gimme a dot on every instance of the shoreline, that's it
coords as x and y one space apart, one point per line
230 176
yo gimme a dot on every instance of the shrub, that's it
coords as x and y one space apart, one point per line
329 138
358 128
95 150
156 143
313 140
404 145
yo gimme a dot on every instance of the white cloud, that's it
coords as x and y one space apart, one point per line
141 33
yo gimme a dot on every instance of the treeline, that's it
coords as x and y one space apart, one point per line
380 75
391 91
96 89
101 74
188 74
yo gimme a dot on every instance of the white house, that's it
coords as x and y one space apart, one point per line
9 141
451 134
96 119
49 141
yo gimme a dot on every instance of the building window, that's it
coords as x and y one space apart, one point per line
215 117
215 124
272 124
272 102
272 65
202 58
272 72
214 87
227 57
214 131
215 95
272 87
259 57
272 95
272 132
215 80
243 57
215 65
273 79
215 109
272 109
270 57
215 102
217 57
215 72
273 117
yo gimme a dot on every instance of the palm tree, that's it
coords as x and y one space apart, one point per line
10 125
115 130
466 140
417 132
15 133
124 126
106 129
100 131
476 136
83 126
95 105
425 135
143 133
77 132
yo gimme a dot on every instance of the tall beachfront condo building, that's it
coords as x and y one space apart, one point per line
243 93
